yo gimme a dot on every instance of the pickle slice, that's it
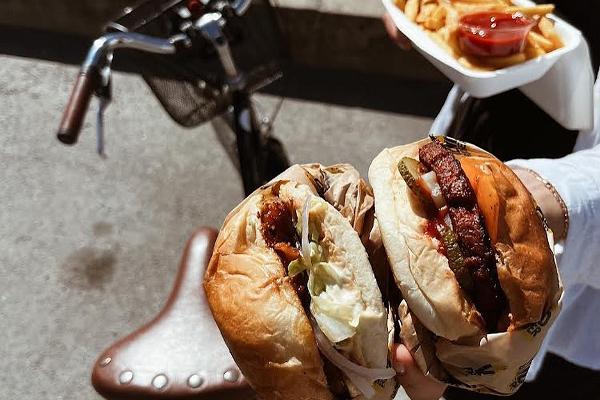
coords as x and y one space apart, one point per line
456 261
409 169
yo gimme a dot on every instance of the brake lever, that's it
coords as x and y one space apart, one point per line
104 94
93 75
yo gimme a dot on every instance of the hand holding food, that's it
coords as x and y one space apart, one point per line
485 34
293 290
415 383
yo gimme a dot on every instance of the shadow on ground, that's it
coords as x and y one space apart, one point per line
334 86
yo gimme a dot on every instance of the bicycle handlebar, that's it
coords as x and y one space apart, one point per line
74 114
88 80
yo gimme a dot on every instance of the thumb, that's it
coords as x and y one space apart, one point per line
417 385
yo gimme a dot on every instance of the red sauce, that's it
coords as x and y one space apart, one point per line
493 34
431 230
278 223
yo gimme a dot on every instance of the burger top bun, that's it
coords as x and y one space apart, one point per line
525 262
260 314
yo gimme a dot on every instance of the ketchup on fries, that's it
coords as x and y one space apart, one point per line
493 34
486 34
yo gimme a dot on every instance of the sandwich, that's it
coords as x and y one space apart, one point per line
294 295
467 244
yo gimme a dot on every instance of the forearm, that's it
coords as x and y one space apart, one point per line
549 200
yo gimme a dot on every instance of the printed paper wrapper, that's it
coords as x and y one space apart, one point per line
342 186
495 364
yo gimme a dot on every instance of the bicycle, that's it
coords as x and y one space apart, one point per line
176 43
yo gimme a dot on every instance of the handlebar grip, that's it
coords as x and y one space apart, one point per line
74 114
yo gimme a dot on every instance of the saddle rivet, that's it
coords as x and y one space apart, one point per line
160 381
125 377
105 362
195 381
231 375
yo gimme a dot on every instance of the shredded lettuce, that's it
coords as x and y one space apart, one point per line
296 267
336 308
299 265
335 305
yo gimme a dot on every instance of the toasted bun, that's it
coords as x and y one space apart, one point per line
260 315
526 268
526 265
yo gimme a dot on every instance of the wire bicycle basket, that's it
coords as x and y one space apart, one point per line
190 85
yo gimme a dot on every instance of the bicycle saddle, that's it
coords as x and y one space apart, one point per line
180 354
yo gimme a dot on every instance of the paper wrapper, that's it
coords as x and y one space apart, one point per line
495 364
341 186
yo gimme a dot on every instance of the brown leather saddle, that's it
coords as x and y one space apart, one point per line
180 354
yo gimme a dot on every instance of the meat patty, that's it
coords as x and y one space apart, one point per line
469 228
278 223
278 227
453 182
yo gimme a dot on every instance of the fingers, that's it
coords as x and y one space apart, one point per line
415 383
397 37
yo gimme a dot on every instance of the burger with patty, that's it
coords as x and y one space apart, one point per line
294 295
471 255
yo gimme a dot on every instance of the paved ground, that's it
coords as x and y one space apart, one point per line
89 247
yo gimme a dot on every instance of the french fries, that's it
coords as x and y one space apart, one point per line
503 62
411 9
440 19
439 39
425 11
436 20
472 8
546 27
533 49
540 41
532 11
400 4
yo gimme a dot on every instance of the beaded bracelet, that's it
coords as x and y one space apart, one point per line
558 198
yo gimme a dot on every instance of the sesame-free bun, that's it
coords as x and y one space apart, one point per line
260 314
525 262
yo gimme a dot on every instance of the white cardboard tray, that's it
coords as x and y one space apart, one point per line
485 83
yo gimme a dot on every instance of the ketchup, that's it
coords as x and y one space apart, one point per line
432 231
493 34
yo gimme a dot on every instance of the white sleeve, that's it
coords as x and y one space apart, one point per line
576 177
442 122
